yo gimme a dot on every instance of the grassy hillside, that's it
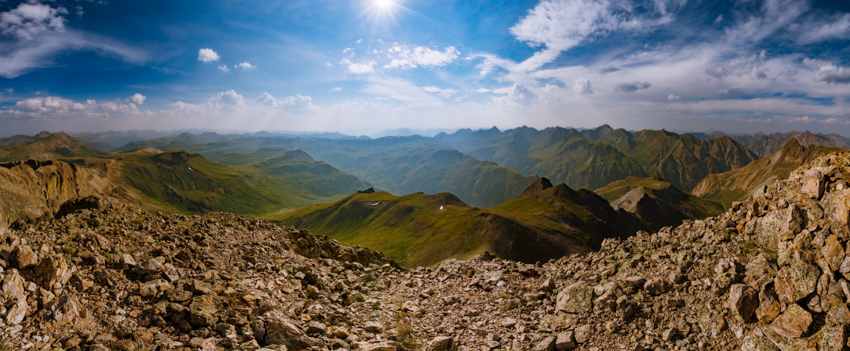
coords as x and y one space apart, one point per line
738 184
189 183
657 202
543 222
44 146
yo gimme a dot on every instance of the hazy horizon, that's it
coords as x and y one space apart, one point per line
364 66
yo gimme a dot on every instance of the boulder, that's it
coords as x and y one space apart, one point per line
440 343
796 281
279 330
743 300
53 272
576 298
793 323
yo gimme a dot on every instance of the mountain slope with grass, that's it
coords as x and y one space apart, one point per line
44 146
765 144
738 184
541 223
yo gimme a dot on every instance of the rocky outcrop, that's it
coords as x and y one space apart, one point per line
771 273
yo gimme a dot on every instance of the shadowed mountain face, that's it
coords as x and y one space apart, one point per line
593 158
44 146
657 202
766 144
738 184
542 223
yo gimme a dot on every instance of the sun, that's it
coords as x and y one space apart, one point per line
383 4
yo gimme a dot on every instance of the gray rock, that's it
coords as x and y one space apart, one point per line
743 300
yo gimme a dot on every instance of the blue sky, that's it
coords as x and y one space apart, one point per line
363 66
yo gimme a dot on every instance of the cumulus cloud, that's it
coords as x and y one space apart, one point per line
244 66
515 96
207 55
752 65
407 57
828 72
446 93
229 97
360 68
52 107
30 19
830 120
297 102
137 99
632 87
224 68
582 86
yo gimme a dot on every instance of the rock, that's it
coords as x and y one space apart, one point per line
377 346
127 260
151 266
203 311
153 287
755 343
67 311
17 313
743 300
565 341
25 257
769 306
795 282
833 338
833 252
583 333
814 183
374 327
575 298
793 323
53 272
759 272
547 344
670 334
656 286
280 330
440 343
13 287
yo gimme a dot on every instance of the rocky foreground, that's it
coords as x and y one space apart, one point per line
769 274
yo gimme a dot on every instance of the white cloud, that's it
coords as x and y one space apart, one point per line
632 87
446 93
29 19
297 102
807 119
335 89
207 55
229 97
359 68
244 66
828 72
407 57
672 97
582 86
752 65
515 96
224 68
838 28
483 90
55 108
137 99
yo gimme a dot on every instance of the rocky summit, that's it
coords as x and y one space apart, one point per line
771 273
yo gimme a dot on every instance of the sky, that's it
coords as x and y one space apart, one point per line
362 66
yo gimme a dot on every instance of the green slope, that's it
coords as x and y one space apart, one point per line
738 184
541 223
45 146
189 183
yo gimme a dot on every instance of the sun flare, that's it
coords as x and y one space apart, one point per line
384 4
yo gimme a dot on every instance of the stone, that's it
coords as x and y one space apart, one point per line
281 331
203 311
376 346
17 313
153 287
833 252
743 300
583 333
127 260
67 311
439 343
753 342
769 306
565 341
25 257
547 344
374 327
814 183
833 338
759 272
13 287
793 323
656 286
151 266
797 281
576 298
53 272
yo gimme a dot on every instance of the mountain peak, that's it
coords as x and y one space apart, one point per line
657 176
539 185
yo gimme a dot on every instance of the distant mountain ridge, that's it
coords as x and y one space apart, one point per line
738 184
766 144
44 146
541 223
